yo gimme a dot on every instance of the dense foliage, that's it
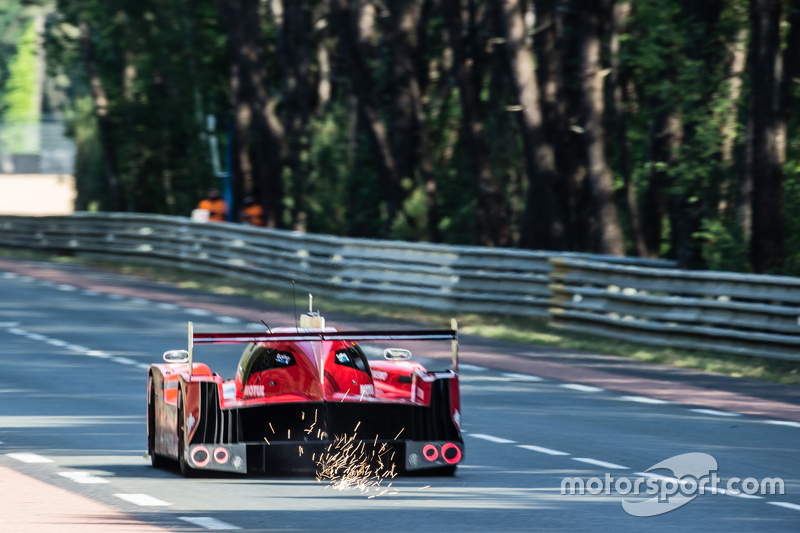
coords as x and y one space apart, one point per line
642 129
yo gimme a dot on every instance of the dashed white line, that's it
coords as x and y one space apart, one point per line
124 361
17 331
252 326
9 275
9 324
786 505
114 297
36 337
90 293
541 449
143 500
77 348
474 368
143 366
228 320
582 388
208 522
644 399
783 423
713 412
600 463
56 342
97 353
522 377
492 438
29 458
197 312
167 306
67 288
83 477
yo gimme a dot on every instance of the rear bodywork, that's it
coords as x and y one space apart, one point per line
299 391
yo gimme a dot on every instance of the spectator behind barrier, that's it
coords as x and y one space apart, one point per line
252 213
217 207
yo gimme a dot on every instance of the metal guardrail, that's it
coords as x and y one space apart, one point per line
717 311
646 301
441 277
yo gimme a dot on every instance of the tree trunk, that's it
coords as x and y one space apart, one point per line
739 53
543 225
766 247
297 82
598 171
104 127
492 219
791 70
362 86
620 11
243 23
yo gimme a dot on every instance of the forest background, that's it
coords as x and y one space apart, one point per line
654 128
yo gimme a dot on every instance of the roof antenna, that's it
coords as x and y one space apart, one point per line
262 321
294 303
310 300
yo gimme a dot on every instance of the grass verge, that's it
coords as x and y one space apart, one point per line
507 328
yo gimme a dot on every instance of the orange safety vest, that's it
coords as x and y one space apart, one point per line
254 215
217 209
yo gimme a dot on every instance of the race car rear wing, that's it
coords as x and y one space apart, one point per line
299 336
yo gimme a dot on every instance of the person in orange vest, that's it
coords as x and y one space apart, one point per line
217 207
252 213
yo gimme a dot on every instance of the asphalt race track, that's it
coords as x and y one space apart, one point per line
72 393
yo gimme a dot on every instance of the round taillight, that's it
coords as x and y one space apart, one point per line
451 453
200 456
430 452
221 455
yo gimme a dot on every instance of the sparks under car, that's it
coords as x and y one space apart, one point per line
297 391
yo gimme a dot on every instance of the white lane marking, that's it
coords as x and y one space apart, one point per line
787 505
475 368
83 477
143 366
29 458
139 301
26 279
67 288
97 353
124 361
9 324
644 399
36 337
713 412
522 377
197 312
208 522
56 342
540 449
115 297
77 348
17 331
167 306
492 438
599 463
252 326
783 423
228 320
45 283
9 275
1 442
582 388
142 500
90 293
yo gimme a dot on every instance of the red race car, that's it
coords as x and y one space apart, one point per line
299 395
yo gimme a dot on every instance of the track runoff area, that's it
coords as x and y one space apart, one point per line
544 452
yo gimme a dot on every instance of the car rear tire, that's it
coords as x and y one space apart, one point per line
186 470
156 460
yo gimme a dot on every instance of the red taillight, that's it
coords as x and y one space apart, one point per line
430 452
221 455
451 453
200 456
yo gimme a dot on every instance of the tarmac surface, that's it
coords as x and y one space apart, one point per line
76 343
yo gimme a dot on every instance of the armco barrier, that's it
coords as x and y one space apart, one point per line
463 278
717 311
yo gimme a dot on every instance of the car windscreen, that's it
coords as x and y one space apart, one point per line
354 357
